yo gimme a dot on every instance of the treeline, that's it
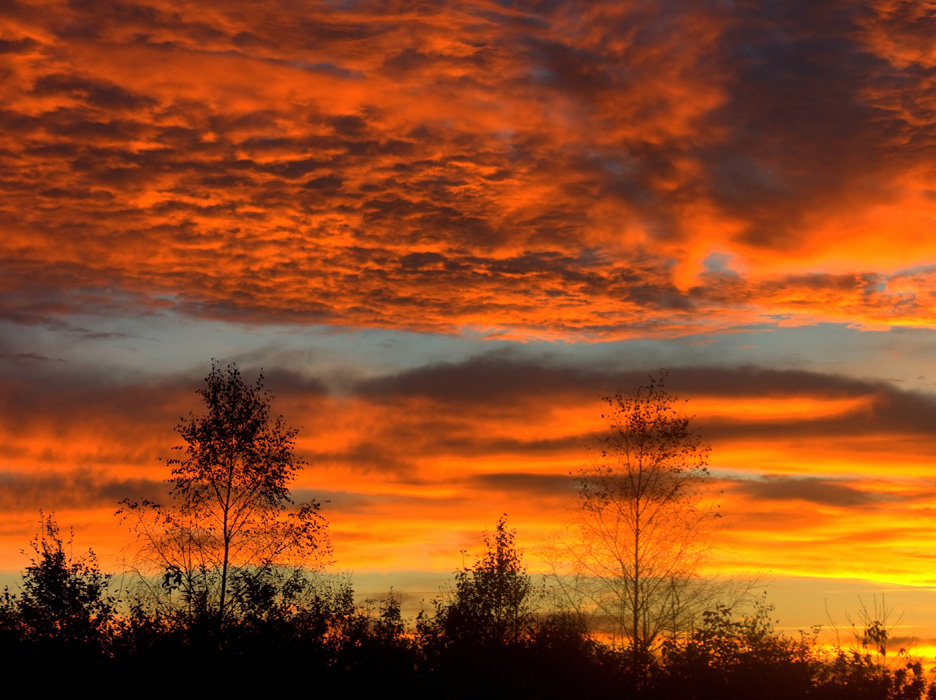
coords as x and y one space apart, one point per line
491 635
226 592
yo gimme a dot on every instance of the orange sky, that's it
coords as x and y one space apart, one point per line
446 229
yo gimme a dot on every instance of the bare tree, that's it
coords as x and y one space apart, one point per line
230 524
641 525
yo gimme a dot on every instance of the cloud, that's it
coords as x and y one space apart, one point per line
508 171
554 171
381 455
810 489
510 372
80 489
519 404
488 377
525 484
537 407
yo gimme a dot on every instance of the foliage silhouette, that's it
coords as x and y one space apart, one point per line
488 639
476 643
64 614
493 600
730 658
220 547
64 597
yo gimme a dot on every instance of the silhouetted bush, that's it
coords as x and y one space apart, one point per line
296 630
731 657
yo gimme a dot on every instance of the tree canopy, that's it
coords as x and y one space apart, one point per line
231 521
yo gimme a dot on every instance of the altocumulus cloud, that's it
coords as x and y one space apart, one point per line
548 170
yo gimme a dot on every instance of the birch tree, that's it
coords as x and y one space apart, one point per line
231 522
641 525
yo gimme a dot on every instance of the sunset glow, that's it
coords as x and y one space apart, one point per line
446 230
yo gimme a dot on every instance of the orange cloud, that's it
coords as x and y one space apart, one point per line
518 173
414 463
556 175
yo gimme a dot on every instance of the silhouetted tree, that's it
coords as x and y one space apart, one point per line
735 658
865 669
63 597
229 528
475 643
730 657
641 527
58 629
493 600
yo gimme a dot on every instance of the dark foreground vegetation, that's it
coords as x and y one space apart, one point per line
490 636
226 591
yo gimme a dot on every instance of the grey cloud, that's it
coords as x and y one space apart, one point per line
527 484
505 374
474 444
18 45
827 492
797 107
511 379
377 455
79 489
490 377
371 505
40 390
285 383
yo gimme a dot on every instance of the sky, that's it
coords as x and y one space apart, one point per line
446 230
